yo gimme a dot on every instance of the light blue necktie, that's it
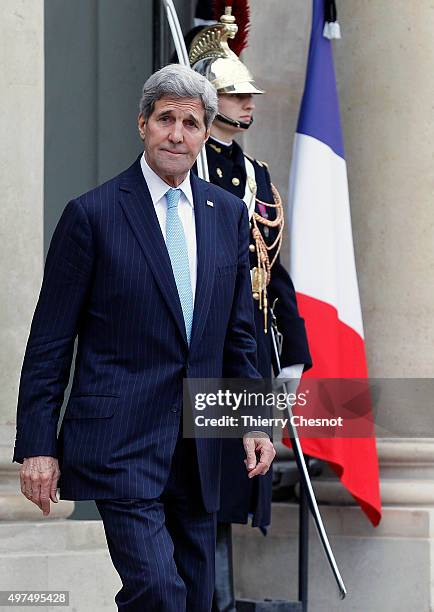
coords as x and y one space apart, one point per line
178 253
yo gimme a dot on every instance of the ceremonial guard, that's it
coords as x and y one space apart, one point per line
249 179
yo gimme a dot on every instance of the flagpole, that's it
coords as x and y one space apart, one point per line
304 475
181 50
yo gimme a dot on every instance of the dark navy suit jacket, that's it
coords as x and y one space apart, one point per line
108 279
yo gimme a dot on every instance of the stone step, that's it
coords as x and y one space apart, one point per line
50 536
59 555
268 605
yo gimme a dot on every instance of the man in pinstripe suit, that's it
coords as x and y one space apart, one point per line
151 272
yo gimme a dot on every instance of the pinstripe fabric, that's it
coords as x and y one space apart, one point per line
108 279
163 549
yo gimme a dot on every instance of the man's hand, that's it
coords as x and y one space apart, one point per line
258 443
38 477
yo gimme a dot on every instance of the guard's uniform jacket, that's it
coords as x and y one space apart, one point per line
239 494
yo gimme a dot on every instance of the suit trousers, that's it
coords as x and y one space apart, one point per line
164 549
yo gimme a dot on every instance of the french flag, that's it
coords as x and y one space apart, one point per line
322 263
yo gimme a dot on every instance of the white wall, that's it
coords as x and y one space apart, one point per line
21 180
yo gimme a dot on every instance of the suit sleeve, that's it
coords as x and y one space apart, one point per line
240 358
240 351
47 361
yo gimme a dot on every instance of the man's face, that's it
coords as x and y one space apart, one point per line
236 106
173 136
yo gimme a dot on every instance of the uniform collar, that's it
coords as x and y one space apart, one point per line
220 147
222 143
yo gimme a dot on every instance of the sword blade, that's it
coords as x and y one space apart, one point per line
307 483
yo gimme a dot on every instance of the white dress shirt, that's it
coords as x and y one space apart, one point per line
158 188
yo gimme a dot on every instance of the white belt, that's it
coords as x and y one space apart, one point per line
250 191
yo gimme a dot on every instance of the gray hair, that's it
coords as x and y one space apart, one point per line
177 81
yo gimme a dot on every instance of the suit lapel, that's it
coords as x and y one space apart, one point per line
206 255
136 202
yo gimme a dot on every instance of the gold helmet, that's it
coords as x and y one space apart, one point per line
211 56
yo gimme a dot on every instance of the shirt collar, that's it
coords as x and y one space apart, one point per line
158 188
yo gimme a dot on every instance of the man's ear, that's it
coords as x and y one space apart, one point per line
207 134
141 124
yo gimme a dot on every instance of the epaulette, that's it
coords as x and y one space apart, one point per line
263 164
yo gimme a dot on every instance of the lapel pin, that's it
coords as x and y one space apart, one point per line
209 203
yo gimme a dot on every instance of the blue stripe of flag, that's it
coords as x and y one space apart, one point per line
319 113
